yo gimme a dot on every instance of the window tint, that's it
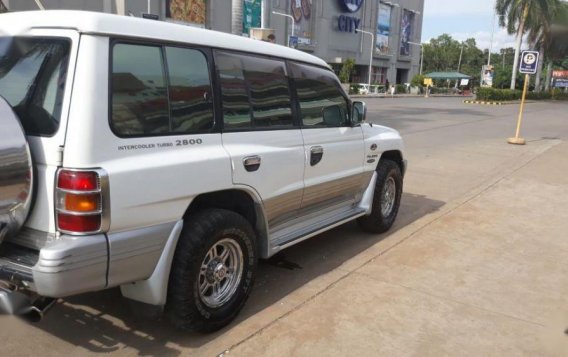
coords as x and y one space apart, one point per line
255 92
33 72
139 93
147 101
191 103
318 94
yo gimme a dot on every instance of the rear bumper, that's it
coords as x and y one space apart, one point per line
67 266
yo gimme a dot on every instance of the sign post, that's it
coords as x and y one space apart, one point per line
428 83
528 65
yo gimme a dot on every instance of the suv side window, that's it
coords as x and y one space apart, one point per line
191 103
255 92
318 93
160 90
139 91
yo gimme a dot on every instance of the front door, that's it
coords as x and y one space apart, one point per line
333 176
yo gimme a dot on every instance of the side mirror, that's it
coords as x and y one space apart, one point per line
333 116
359 113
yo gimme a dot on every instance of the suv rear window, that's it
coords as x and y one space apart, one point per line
33 72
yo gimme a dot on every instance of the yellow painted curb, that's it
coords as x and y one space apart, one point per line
482 102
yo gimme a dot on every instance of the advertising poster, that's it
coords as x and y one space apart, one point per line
301 10
406 32
487 74
193 11
560 79
383 28
251 15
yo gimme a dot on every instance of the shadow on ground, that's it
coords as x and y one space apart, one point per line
102 322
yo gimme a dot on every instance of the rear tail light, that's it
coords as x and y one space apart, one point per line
80 201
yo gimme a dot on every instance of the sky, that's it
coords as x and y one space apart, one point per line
464 19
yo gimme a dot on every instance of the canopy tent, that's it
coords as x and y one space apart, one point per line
447 75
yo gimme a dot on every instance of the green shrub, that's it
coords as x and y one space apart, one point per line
493 94
539 95
441 90
354 88
400 88
417 81
558 94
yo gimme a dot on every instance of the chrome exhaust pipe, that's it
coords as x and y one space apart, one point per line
38 310
18 304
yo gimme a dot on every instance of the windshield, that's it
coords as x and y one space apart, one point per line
32 79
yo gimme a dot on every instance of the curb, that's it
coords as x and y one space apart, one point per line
483 102
388 96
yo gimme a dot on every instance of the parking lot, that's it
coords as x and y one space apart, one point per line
475 264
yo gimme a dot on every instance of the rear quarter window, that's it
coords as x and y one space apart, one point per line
33 73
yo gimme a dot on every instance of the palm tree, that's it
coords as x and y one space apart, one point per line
540 36
519 15
557 45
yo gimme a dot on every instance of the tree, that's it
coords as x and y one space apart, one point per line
347 70
442 55
518 15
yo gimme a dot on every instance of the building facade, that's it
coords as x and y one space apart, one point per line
328 29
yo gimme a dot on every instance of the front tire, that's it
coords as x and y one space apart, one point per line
212 272
386 199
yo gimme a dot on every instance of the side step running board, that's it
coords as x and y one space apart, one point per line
308 232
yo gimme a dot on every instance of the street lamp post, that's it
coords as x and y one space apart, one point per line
492 34
421 54
291 18
371 55
461 54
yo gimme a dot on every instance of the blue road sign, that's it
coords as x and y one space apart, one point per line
529 62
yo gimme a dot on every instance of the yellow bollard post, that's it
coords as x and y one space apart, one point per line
517 140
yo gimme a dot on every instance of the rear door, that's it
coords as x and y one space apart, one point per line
259 133
333 177
36 78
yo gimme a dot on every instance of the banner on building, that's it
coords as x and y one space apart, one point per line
251 15
192 11
406 25
301 10
383 28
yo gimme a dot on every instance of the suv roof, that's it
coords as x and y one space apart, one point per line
116 25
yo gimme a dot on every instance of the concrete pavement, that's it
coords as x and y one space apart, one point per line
475 264
486 276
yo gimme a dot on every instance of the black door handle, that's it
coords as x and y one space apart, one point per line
251 163
316 154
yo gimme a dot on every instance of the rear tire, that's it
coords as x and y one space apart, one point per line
212 272
386 199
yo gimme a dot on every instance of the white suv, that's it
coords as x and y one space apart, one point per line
167 160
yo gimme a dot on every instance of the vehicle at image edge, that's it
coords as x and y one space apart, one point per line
166 160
